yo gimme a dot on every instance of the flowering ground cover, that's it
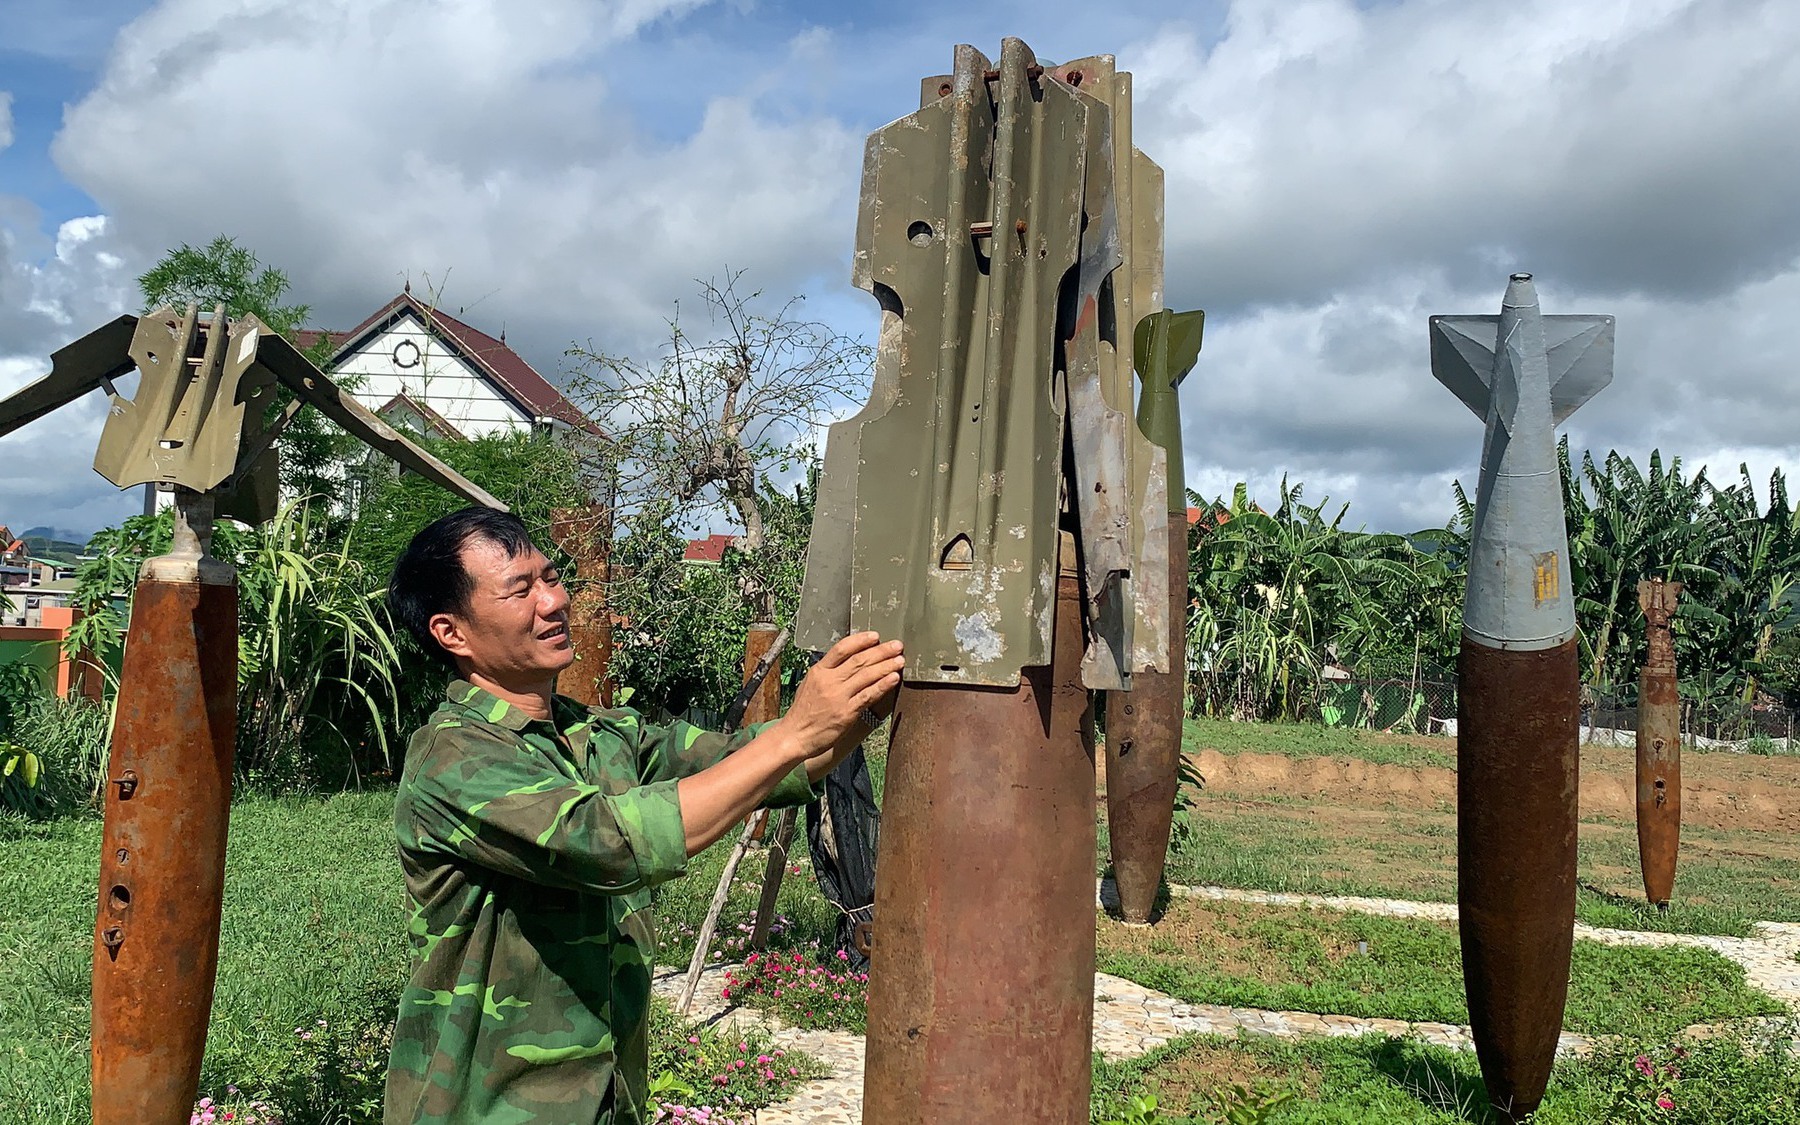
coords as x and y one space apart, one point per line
804 989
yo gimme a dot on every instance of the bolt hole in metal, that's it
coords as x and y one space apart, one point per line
920 233
959 554
127 783
119 898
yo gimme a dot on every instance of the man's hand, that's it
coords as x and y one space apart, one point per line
859 674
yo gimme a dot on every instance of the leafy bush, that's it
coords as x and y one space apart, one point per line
316 661
68 740
1749 1075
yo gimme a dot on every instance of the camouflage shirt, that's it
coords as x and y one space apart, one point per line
529 849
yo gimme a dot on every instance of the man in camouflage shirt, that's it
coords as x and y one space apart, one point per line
532 828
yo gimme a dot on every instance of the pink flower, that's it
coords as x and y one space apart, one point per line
1664 1101
1642 1063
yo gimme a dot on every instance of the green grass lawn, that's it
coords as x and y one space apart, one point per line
1308 960
1380 1081
313 929
1725 880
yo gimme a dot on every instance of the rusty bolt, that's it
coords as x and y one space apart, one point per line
127 783
112 937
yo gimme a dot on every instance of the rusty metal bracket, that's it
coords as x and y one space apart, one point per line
197 419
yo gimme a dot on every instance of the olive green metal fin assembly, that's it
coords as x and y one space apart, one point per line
1099 431
76 369
970 225
1013 238
1166 347
195 391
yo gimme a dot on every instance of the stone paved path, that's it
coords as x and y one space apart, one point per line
1130 1019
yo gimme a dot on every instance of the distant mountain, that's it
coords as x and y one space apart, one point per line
58 534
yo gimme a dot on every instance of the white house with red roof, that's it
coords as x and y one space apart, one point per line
433 373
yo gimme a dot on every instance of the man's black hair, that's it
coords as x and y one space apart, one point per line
429 578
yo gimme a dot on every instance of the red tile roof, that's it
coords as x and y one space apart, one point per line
433 420
515 378
708 550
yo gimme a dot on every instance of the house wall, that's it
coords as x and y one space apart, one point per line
41 649
440 380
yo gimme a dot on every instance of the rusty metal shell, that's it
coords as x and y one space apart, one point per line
982 974
162 862
1658 745
1517 778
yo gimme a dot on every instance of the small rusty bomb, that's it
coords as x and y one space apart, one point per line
1143 760
1143 726
1658 745
162 859
583 533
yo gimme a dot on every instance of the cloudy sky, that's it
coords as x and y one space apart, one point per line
565 168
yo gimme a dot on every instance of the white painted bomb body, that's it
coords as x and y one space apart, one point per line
1523 374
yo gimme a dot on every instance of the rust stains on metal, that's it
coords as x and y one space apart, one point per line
1516 784
1143 751
584 534
981 983
765 703
162 872
1658 745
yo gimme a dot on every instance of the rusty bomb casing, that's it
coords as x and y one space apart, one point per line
583 533
1518 704
1143 759
162 861
1658 745
1516 787
981 981
1143 726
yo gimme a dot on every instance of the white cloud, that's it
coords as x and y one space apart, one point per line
480 138
1336 173
51 291
1619 146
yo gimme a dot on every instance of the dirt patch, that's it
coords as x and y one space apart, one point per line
1717 791
1192 1079
1227 932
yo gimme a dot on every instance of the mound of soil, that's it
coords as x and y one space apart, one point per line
1725 791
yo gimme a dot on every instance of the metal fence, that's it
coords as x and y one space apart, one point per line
1710 720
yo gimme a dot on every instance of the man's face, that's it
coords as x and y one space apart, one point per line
515 628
